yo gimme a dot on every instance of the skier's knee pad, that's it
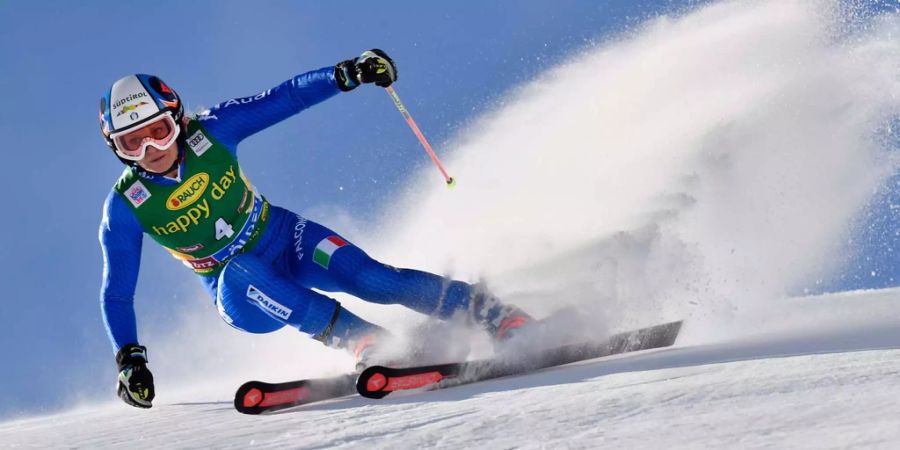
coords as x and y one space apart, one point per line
233 301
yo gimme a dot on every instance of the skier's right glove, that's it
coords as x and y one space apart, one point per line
373 66
135 384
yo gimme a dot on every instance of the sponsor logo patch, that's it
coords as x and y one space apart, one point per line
244 100
263 300
204 264
188 193
137 194
199 143
200 210
192 248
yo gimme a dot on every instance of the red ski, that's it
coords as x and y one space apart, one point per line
379 381
256 397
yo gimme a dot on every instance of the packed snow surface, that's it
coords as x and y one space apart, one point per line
819 372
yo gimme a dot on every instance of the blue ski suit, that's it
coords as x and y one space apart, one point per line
270 286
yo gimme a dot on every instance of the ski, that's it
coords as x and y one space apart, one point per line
256 397
379 381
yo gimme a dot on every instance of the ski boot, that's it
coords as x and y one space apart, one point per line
502 322
366 349
432 342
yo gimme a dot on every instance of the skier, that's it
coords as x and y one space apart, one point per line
184 187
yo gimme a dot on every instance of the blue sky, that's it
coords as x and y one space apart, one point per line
350 154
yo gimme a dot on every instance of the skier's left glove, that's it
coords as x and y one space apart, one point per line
135 384
373 66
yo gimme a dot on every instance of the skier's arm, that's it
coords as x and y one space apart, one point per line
236 119
120 240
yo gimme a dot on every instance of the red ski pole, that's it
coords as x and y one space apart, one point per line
412 124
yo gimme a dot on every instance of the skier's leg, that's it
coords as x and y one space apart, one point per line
327 261
253 297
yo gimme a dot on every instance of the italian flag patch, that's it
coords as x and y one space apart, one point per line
326 248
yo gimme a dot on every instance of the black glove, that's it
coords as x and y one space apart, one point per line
135 385
373 66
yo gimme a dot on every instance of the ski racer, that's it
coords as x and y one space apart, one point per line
183 187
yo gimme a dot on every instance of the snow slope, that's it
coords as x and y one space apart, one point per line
697 167
820 372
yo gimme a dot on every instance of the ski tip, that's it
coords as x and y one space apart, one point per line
253 397
248 398
378 381
372 381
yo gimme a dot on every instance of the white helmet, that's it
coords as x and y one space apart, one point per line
138 102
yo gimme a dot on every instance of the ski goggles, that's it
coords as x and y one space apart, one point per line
161 132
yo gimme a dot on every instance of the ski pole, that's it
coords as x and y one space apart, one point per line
412 124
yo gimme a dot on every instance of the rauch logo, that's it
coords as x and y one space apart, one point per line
188 193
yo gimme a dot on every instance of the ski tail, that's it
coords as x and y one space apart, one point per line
379 381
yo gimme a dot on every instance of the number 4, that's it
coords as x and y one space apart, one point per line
223 229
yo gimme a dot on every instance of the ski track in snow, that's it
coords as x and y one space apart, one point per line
806 386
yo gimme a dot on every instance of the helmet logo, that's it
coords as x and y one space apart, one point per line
127 99
134 116
129 108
